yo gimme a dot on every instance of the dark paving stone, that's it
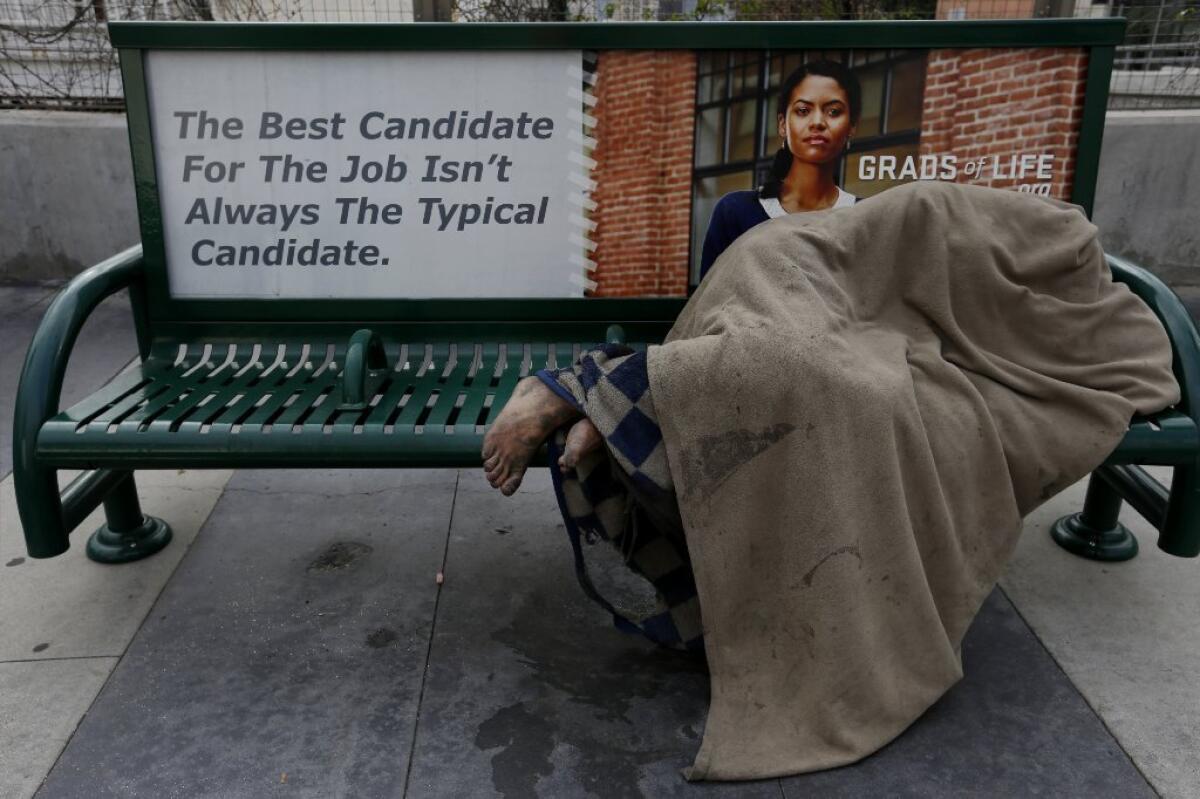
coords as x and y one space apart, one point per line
236 679
1014 726
104 346
530 692
530 689
291 639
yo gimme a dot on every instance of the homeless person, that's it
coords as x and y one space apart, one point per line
824 468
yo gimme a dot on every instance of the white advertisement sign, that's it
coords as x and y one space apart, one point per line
369 175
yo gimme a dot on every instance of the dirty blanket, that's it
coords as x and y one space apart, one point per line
857 407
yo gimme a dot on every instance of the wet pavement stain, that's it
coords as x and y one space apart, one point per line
599 704
382 637
338 555
527 742
566 661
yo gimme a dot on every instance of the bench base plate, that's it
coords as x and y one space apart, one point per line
109 546
1075 535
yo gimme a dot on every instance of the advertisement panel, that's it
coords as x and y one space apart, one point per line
557 173
367 175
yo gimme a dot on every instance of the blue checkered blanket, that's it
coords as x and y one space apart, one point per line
623 494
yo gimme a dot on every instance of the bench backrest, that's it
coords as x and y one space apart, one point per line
478 180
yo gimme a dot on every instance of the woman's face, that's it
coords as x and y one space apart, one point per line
817 123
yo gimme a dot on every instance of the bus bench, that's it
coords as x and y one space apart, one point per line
300 377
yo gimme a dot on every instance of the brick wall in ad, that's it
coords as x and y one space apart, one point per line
996 104
990 9
645 114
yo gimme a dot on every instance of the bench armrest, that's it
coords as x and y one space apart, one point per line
1185 342
1176 513
45 367
366 367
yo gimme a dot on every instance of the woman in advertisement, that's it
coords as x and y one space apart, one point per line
818 108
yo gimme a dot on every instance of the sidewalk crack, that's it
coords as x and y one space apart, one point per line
429 648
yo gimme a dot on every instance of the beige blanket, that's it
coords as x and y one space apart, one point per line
858 408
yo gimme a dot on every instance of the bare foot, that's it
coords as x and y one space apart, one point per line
530 415
582 438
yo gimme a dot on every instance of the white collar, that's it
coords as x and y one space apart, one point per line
775 209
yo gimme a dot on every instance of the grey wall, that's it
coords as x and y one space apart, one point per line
66 193
1148 195
67 201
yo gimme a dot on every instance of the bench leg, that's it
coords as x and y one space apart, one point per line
40 509
1180 534
1096 533
128 534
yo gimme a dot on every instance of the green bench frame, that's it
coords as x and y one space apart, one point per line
414 383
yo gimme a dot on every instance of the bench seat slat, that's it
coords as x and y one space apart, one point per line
321 385
454 385
415 365
225 387
401 383
121 385
514 359
423 387
481 389
201 389
268 378
180 384
251 386
165 392
298 375
150 394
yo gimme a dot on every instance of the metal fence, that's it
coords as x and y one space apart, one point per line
1158 66
55 54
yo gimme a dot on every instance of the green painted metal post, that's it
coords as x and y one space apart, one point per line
1180 534
1091 128
39 507
1096 533
128 534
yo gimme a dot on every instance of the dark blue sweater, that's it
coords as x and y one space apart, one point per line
735 213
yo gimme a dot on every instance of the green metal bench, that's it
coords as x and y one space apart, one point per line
414 383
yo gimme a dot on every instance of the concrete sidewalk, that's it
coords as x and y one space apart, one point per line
293 639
